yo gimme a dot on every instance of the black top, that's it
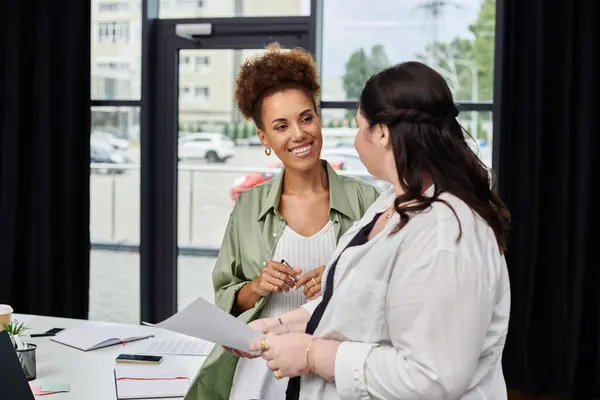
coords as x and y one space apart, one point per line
362 237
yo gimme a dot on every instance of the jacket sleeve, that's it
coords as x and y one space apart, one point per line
226 280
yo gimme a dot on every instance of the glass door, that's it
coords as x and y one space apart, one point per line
201 150
218 154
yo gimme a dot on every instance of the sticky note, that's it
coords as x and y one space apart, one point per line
55 387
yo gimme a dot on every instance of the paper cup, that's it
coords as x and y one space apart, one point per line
5 315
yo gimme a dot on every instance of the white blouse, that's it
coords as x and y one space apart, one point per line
420 314
253 379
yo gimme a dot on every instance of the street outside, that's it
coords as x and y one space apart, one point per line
210 206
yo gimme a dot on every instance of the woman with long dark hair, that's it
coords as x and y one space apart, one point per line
417 296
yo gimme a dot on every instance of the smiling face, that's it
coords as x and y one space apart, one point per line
291 127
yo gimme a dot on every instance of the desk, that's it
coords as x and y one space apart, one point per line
90 374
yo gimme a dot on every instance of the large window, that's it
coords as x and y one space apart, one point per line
454 37
114 150
114 214
218 154
116 50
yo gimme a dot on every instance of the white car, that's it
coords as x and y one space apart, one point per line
114 141
351 162
212 147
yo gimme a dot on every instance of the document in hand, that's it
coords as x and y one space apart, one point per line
150 382
96 336
204 320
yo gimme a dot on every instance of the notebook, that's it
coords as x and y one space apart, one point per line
151 381
92 337
13 383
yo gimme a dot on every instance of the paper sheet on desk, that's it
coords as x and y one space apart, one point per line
204 320
180 347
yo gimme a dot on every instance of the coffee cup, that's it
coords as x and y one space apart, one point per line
5 315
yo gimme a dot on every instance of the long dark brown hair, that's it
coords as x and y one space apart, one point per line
416 104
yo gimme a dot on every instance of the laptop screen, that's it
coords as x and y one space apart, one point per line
13 383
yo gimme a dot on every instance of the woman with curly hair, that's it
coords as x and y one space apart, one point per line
281 233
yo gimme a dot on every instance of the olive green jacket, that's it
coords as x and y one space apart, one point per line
250 238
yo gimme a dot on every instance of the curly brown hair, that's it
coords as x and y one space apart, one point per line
271 72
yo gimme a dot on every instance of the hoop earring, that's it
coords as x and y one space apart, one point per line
268 152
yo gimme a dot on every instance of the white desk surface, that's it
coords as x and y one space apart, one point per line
90 374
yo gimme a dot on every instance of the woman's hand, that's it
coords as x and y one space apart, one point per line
264 326
275 277
241 354
312 283
285 354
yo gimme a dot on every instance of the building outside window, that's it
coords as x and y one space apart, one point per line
113 32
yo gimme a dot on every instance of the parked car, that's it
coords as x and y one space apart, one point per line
103 152
254 141
350 161
212 147
114 141
248 181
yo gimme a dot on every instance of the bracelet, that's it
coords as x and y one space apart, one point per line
308 371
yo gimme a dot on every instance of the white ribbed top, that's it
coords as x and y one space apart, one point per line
253 379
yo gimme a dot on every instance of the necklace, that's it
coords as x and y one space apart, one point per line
388 213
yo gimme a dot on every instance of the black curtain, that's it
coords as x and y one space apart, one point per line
44 156
549 154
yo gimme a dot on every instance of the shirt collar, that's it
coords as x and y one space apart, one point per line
388 197
338 200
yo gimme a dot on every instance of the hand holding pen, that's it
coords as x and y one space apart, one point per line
275 277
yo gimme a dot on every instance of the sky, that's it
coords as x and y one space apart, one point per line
400 25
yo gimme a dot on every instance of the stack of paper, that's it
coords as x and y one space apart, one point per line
150 382
180 347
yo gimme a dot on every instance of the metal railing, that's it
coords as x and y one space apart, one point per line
114 171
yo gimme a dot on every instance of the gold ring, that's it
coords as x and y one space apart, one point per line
263 344
278 274
315 282
264 263
276 375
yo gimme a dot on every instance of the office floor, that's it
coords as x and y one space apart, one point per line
115 284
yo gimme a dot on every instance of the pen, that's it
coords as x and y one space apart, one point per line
294 279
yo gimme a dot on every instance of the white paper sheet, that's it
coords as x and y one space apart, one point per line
181 347
204 320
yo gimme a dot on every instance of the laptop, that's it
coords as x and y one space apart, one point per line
13 383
